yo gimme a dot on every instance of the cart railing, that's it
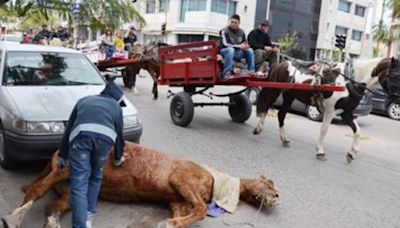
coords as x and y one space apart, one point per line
188 64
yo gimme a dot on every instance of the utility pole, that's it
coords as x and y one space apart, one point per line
75 8
380 28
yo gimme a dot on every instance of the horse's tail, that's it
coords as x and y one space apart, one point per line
262 101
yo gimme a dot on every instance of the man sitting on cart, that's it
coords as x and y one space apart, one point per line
233 46
260 41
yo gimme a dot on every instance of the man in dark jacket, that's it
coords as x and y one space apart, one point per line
260 41
233 45
61 34
95 125
130 38
45 33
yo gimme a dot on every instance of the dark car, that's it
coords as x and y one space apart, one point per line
382 104
363 109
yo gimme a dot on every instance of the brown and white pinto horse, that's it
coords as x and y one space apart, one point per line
366 74
286 72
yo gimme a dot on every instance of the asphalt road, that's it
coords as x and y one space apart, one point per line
313 193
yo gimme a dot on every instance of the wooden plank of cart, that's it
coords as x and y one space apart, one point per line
195 68
117 64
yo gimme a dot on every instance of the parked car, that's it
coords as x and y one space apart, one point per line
10 38
40 86
312 112
382 104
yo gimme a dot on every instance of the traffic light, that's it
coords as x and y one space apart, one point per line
163 28
340 41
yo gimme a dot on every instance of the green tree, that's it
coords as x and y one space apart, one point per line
100 13
288 44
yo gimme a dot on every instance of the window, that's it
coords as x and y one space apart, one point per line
148 38
360 10
151 6
231 8
163 5
38 69
189 38
344 6
341 30
219 6
224 7
192 5
356 35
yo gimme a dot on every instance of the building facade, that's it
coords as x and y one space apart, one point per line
354 18
292 16
192 20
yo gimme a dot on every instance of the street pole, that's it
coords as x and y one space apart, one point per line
75 21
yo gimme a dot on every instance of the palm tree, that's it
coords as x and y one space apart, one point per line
392 36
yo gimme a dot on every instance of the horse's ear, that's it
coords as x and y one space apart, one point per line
263 177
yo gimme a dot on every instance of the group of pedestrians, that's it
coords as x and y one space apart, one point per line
256 48
118 42
46 36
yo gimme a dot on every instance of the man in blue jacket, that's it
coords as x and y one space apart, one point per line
95 125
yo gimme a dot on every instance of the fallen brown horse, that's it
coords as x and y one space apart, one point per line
148 176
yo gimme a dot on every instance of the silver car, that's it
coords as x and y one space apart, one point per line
40 86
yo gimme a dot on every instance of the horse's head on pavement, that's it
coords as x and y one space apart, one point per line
260 191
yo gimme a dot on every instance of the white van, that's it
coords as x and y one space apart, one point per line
39 87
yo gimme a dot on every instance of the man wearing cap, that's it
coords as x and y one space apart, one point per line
45 33
94 127
233 45
260 41
130 38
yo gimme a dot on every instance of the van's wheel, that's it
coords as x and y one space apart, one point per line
240 108
181 109
5 160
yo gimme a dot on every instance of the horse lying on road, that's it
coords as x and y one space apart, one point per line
148 176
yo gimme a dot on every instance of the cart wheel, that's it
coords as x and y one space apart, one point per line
182 109
240 109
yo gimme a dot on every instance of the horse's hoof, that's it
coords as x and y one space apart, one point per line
349 158
256 132
164 224
321 157
286 144
52 222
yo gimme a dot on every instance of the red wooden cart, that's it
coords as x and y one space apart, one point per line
195 67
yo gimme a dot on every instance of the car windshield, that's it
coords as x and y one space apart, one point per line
37 69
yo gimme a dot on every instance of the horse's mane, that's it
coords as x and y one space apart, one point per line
278 70
364 68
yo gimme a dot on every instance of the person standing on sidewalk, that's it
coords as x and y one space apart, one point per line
94 127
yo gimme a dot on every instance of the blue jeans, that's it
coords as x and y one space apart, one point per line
109 50
87 157
230 54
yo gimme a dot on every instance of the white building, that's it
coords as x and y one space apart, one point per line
192 20
355 19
